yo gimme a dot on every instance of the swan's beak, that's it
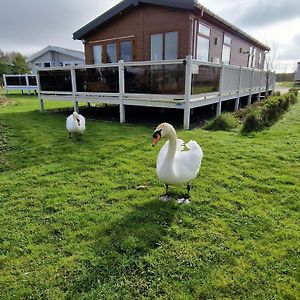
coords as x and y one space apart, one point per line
78 121
155 140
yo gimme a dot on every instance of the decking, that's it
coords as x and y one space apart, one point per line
21 82
179 84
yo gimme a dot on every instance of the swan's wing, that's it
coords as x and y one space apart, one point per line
180 145
69 123
82 121
162 154
188 162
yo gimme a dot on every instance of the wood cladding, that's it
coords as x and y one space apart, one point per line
144 20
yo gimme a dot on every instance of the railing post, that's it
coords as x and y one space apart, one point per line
38 83
219 105
74 88
121 91
187 93
237 101
5 84
251 85
27 84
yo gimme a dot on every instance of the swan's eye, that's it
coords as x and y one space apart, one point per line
156 133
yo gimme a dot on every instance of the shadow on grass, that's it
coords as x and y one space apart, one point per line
121 247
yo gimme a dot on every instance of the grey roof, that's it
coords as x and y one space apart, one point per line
124 5
182 4
76 54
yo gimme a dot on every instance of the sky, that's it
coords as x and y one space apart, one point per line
28 26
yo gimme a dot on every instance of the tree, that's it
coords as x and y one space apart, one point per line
12 63
19 63
271 64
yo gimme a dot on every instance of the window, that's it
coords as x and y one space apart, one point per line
126 51
250 57
157 46
203 37
203 29
202 48
254 58
171 45
38 65
226 52
47 64
111 53
97 54
164 46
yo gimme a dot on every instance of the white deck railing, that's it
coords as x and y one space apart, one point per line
180 84
21 82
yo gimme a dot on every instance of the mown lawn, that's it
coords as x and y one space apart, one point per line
74 225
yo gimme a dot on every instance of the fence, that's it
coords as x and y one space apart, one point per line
22 82
181 84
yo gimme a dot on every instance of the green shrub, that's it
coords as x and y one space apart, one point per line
277 93
293 98
225 122
294 91
268 112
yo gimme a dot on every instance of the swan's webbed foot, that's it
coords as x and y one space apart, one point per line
70 136
183 201
165 198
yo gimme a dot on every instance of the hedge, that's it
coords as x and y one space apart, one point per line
268 112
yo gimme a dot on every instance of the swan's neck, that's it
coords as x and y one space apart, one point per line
172 144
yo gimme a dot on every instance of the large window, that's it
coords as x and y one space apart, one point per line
157 46
97 54
250 57
171 45
254 58
126 50
164 46
203 39
111 51
226 52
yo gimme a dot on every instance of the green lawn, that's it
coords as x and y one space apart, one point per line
75 226
289 84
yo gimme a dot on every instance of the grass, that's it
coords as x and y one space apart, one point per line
289 84
75 225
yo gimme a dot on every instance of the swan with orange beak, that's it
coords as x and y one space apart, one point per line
75 124
177 163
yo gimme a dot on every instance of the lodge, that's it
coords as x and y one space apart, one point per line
170 53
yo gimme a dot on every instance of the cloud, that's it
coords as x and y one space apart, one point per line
36 23
264 13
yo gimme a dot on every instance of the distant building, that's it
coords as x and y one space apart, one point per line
53 56
141 30
297 74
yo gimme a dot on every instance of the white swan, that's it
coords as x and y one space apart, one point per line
75 123
177 163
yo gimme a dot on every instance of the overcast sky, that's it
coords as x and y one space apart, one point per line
27 26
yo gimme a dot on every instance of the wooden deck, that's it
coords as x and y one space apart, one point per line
179 84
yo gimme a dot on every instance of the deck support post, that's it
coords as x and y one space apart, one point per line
237 101
27 84
219 104
251 85
121 91
42 105
5 84
74 89
187 93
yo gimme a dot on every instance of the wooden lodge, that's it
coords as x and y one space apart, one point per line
169 53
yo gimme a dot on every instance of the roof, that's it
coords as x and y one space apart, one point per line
70 52
182 4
